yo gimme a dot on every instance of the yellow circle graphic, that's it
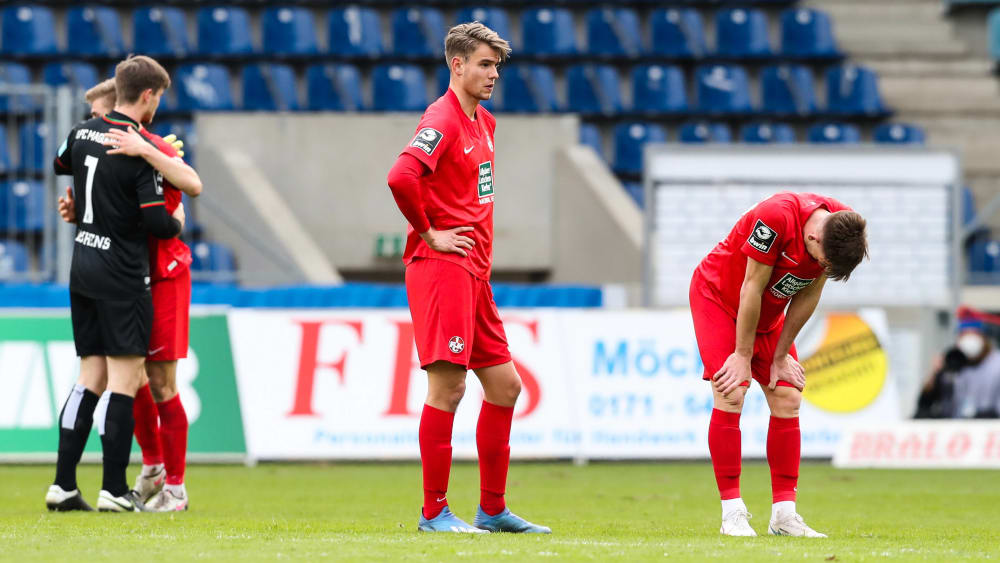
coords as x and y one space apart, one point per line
848 370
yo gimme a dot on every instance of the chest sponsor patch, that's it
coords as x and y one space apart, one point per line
427 139
762 237
789 285
485 179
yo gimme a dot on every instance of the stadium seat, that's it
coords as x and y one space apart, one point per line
704 132
613 32
13 258
493 18
993 33
678 33
635 191
398 88
722 89
787 90
22 206
269 87
853 90
334 87
629 139
78 75
833 133
94 31
807 33
593 89
28 30
418 32
204 87
591 136
20 75
355 32
160 31
529 88
4 151
548 32
763 133
34 147
658 89
984 256
742 32
224 31
288 31
215 260
899 134
442 78
184 130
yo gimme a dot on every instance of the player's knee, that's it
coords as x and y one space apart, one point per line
511 391
786 402
731 403
454 393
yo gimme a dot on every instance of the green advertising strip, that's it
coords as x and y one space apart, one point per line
38 365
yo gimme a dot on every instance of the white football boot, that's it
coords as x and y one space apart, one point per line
737 523
129 502
58 500
168 501
791 524
146 486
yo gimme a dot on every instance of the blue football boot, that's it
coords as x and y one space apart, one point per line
446 522
507 521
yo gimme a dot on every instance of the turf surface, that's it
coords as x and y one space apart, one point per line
635 512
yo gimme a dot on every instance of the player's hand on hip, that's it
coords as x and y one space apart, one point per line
787 369
67 207
734 372
179 214
128 142
449 241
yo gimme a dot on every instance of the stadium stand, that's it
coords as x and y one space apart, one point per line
807 33
630 137
590 136
529 88
215 259
78 75
548 32
742 33
853 90
22 207
418 32
28 30
677 33
334 87
398 88
289 31
659 89
32 140
834 133
613 32
354 32
704 132
5 151
593 89
15 74
723 90
224 31
14 258
160 31
94 31
898 133
763 133
787 90
203 87
269 87
493 17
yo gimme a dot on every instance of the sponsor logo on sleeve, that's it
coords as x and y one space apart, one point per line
762 237
427 140
788 286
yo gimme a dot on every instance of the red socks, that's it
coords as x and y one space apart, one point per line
724 443
147 426
435 457
493 442
784 446
173 434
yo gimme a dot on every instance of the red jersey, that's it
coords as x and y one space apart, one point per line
167 257
770 233
459 190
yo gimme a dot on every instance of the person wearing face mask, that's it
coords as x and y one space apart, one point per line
977 385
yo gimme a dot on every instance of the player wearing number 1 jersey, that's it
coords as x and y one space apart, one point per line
444 185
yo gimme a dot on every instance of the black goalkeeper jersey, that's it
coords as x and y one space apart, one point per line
112 194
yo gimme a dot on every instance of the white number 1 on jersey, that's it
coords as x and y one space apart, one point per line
91 163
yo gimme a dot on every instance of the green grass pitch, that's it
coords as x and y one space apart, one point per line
622 511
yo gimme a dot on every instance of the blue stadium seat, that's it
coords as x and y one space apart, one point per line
853 90
203 87
590 136
185 131
75 74
418 32
984 256
34 147
678 33
214 259
269 87
742 32
613 32
288 31
28 30
442 78
548 32
398 88
16 74
635 191
94 31
764 133
787 90
224 30
160 31
22 206
722 89
807 33
13 258
529 88
834 133
4 151
993 33
334 87
629 139
658 89
899 134
705 132
593 89
355 32
493 18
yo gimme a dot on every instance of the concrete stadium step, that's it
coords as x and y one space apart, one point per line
942 95
868 30
882 11
976 139
928 67
873 46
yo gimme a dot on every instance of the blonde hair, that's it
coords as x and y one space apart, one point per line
463 39
102 90
136 74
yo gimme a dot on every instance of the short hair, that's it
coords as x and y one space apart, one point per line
135 75
463 39
845 243
102 90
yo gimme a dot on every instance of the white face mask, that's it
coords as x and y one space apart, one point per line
971 344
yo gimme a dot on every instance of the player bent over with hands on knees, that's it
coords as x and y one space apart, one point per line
750 298
443 185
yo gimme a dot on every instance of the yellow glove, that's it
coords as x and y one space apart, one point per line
178 144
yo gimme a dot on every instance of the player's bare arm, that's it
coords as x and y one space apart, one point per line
449 240
784 367
176 171
736 369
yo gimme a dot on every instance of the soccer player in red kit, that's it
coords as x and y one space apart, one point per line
443 185
749 298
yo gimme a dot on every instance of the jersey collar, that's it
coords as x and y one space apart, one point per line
118 118
453 98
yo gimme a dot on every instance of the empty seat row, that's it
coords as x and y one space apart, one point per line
357 31
33 157
22 207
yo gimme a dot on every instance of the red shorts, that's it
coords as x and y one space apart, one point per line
454 316
171 304
715 331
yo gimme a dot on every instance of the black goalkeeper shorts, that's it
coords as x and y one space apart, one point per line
104 327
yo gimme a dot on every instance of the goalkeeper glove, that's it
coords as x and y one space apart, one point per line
176 143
